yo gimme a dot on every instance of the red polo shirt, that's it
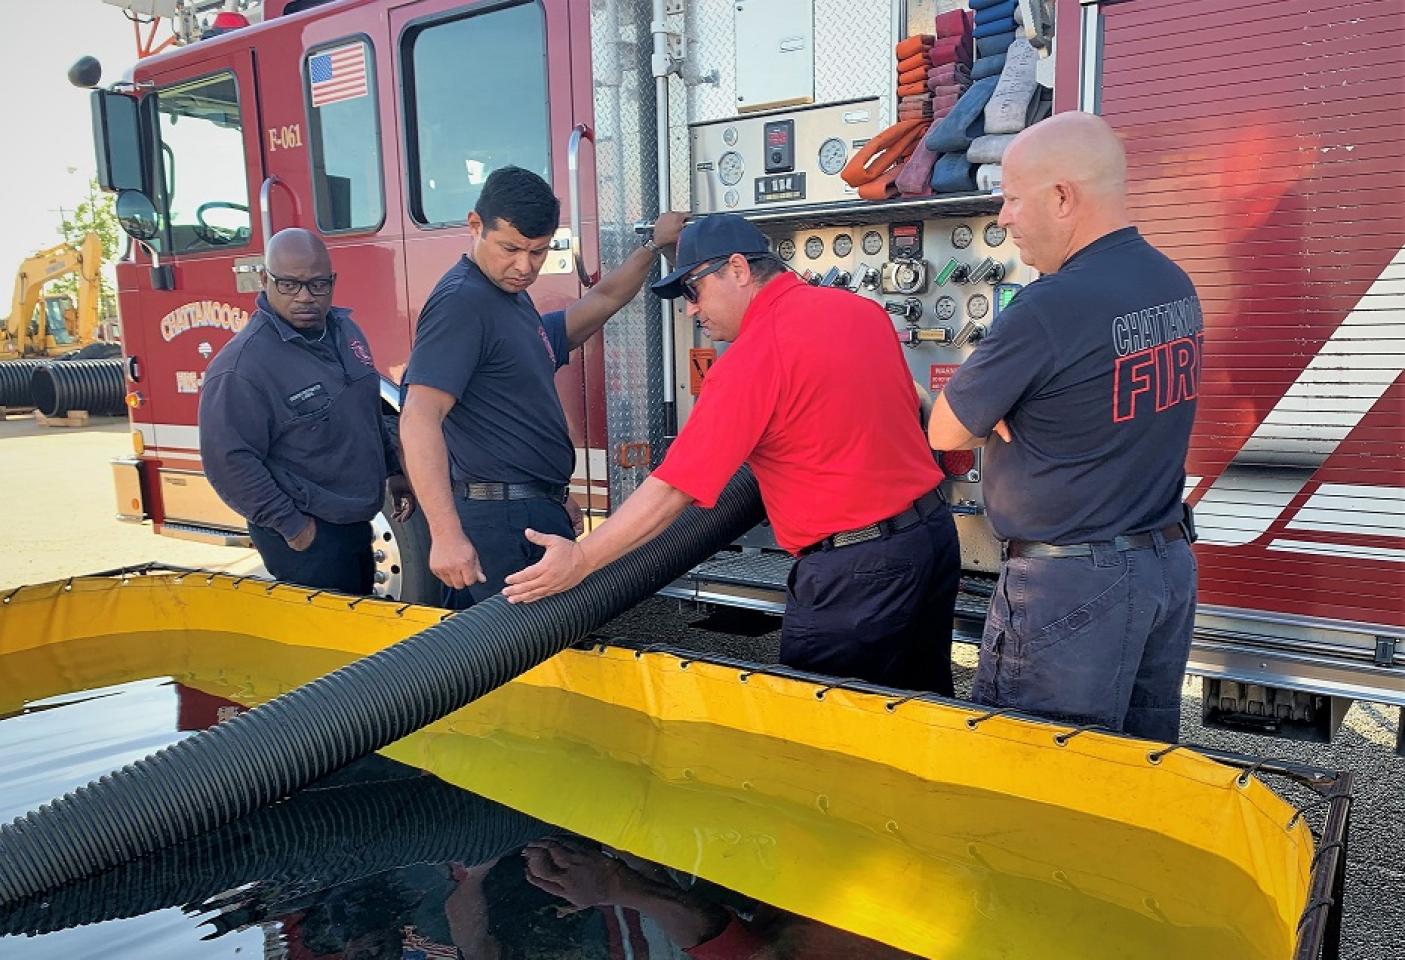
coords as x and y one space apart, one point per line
813 394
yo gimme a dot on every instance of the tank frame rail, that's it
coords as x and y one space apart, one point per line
1319 926
1286 654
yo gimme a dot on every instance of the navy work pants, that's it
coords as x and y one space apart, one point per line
496 530
878 611
339 557
1101 639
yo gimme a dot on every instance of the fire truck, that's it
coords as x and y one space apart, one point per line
1264 142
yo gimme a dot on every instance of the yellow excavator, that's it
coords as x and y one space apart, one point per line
49 326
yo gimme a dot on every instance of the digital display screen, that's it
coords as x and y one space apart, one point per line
777 136
1004 294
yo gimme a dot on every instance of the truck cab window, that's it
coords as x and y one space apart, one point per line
476 101
344 145
201 165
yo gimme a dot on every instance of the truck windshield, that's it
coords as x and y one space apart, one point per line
201 166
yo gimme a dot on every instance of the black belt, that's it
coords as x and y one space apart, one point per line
921 508
1131 541
510 491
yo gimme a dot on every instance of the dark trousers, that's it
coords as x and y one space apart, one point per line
495 528
339 557
1101 639
878 611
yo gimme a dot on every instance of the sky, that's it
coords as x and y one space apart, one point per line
48 156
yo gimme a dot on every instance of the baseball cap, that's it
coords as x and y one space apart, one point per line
710 238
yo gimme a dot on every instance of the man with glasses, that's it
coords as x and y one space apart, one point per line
291 434
815 395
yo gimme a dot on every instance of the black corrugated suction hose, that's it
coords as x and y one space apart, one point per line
319 838
265 754
97 386
15 376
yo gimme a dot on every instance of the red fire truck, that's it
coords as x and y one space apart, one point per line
1264 143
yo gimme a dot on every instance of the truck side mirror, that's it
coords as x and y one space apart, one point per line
117 139
136 215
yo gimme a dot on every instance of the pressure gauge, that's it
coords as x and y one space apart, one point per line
729 136
961 237
872 243
814 247
945 308
731 167
843 245
994 234
731 198
978 306
786 249
832 156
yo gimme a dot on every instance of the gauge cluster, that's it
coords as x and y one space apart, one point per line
781 159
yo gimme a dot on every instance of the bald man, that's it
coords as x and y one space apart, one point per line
291 434
1083 396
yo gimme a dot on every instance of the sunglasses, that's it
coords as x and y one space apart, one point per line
689 284
317 286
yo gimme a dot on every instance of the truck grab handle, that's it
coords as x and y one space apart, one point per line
573 166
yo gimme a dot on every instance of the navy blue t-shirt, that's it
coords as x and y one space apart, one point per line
499 357
1095 369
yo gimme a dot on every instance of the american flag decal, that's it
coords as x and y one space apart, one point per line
338 74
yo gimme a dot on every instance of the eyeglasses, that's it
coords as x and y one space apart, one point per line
289 287
689 284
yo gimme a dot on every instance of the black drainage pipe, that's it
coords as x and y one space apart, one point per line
318 838
15 376
97 386
260 756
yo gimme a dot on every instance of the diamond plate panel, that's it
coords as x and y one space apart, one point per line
627 191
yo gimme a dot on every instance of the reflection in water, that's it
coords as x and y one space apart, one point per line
382 861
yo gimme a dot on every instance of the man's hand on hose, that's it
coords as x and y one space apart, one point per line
401 496
560 568
454 561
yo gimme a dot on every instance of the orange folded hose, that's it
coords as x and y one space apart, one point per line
921 59
912 89
918 75
913 44
883 152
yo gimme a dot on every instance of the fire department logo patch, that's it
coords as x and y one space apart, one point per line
359 349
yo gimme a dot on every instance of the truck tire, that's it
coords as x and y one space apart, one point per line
401 551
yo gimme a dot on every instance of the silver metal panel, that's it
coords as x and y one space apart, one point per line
126 483
627 191
774 60
187 497
741 143
853 55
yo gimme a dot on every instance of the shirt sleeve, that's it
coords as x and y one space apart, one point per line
448 343
554 323
738 399
1008 366
236 431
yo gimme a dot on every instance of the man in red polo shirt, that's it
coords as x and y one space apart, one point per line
815 395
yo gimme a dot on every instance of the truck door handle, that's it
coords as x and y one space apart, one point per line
573 167
266 206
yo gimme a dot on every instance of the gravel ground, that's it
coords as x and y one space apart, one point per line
1374 922
61 524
